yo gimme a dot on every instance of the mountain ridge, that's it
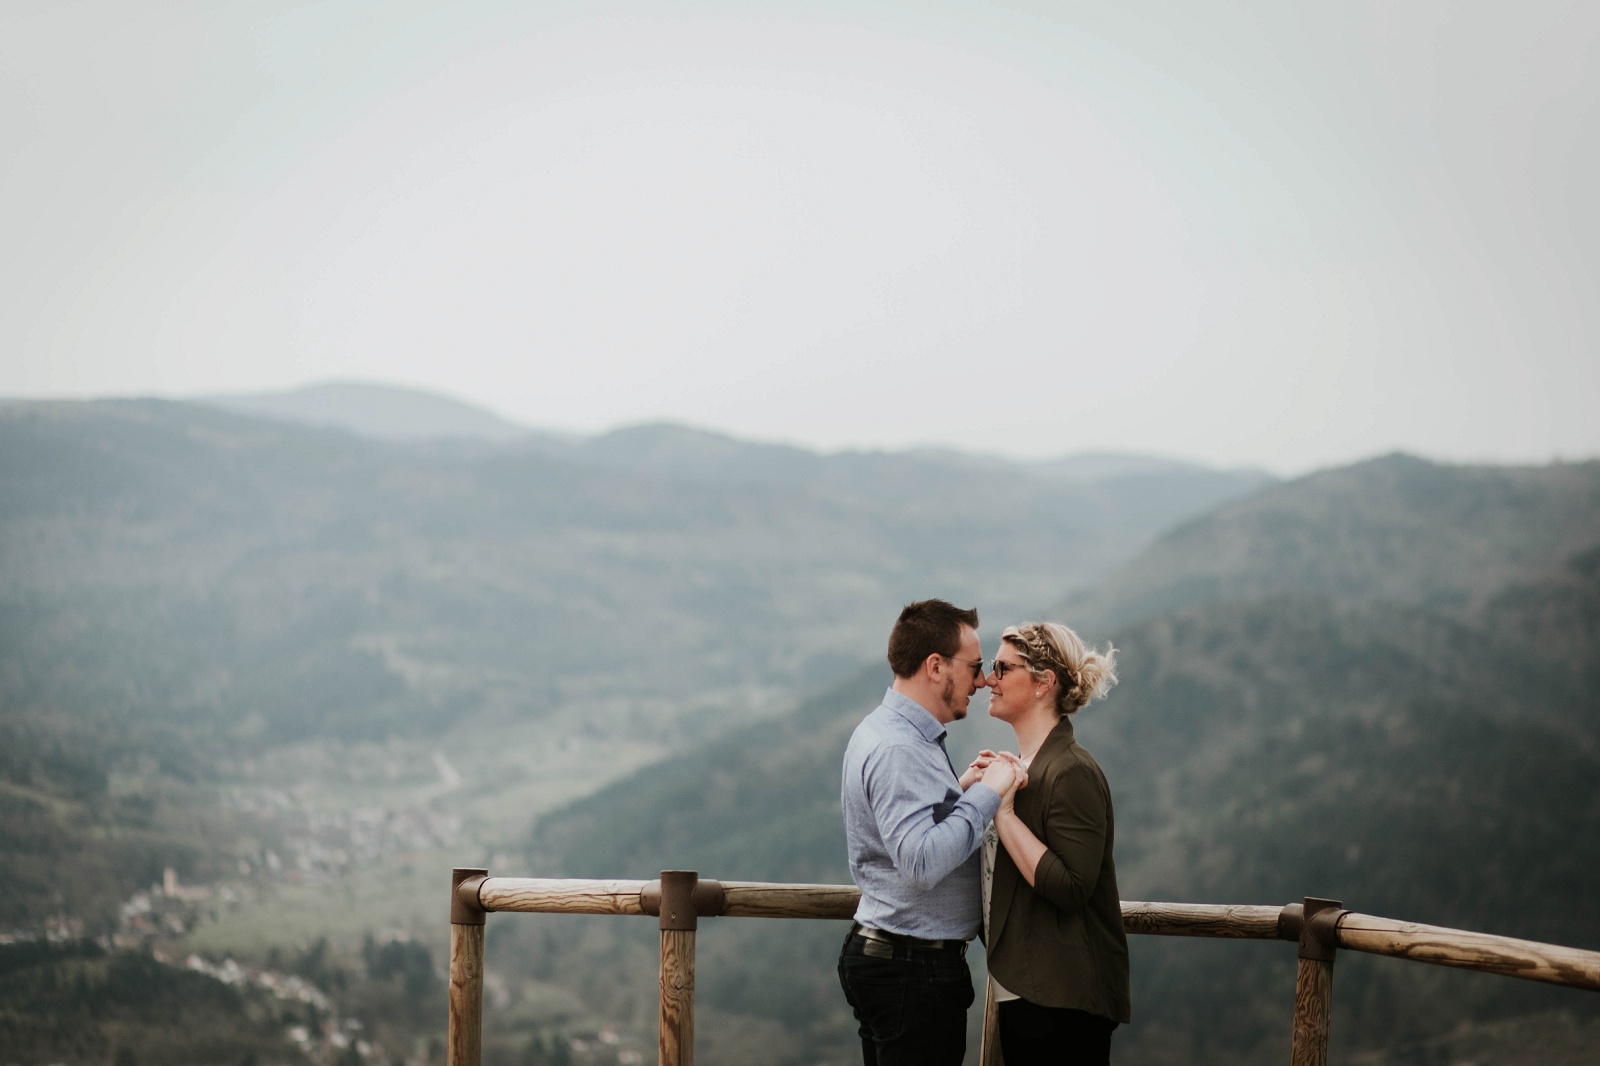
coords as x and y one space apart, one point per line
1420 756
372 409
187 592
187 586
1412 541
393 412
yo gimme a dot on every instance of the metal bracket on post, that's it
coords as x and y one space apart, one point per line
677 900
679 915
466 967
1318 935
1319 931
1291 920
707 896
465 907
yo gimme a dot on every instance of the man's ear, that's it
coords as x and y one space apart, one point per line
932 665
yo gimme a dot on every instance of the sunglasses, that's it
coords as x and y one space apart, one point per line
977 664
1002 668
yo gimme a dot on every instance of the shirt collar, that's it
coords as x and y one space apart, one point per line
915 713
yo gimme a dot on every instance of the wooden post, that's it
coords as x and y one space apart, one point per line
679 919
466 968
1313 986
989 1045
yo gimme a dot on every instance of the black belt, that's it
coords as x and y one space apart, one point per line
911 943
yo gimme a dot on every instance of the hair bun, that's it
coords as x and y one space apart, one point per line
1082 674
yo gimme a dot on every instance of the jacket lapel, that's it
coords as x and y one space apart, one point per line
1031 809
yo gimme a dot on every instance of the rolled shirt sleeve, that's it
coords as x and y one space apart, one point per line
925 839
912 836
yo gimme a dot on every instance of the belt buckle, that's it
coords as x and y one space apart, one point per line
876 949
874 944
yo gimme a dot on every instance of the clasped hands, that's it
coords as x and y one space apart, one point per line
1000 770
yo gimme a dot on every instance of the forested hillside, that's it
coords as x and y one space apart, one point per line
1420 745
1396 529
255 579
281 660
285 662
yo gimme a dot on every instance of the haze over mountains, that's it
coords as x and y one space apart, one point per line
298 663
391 412
251 575
275 655
1377 684
1397 530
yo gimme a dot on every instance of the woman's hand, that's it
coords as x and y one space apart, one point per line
974 771
1018 840
1008 798
1004 775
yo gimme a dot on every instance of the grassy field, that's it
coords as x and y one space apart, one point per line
495 784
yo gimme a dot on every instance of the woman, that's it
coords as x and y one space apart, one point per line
1057 953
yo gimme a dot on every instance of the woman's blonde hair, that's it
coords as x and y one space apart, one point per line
1082 674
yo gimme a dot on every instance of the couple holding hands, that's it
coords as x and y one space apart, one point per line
1017 848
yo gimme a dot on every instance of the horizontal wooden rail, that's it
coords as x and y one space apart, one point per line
1441 946
1234 922
740 899
681 897
540 895
1505 955
756 899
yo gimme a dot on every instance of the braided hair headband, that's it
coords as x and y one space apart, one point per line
1041 654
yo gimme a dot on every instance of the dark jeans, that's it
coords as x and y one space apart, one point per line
912 1008
1031 1034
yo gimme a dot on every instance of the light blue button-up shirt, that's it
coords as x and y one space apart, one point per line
913 835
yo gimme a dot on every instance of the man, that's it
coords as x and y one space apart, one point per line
914 829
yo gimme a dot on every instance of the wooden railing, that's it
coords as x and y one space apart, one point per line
679 899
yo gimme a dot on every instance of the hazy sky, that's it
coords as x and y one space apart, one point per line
1266 232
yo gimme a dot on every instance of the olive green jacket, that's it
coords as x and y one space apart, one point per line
1060 943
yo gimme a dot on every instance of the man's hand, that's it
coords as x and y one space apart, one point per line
1008 798
1003 775
974 770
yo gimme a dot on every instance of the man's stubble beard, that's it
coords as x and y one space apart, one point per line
949 696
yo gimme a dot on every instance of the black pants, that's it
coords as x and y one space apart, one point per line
1031 1034
912 1007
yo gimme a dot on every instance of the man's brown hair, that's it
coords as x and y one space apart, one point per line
924 628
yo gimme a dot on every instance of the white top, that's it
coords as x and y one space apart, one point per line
991 848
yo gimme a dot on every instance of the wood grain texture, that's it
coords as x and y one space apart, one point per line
466 995
548 895
1505 955
756 899
989 1044
1313 1006
677 997
1312 1010
1201 919
1359 932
